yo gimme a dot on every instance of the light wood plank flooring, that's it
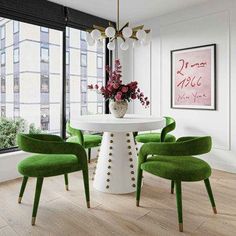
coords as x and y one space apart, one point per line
65 213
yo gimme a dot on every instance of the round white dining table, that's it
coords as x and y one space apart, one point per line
117 157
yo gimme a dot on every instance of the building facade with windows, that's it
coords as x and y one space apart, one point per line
31 74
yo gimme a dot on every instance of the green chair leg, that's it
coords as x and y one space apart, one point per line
210 194
179 204
89 155
66 182
172 186
22 189
86 186
139 184
36 199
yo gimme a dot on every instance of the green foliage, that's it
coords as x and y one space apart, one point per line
9 128
34 130
8 131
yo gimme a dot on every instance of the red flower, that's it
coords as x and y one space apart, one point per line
90 86
96 86
124 89
133 96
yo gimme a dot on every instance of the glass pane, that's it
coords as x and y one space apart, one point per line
86 65
30 95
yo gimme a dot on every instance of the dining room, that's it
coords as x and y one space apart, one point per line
117 117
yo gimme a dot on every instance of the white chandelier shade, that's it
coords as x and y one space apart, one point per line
136 36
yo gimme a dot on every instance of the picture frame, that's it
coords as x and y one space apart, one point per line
193 78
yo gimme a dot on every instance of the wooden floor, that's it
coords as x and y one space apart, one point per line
65 213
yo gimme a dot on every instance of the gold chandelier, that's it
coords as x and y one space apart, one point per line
137 35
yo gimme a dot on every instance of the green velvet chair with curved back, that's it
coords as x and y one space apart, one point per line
88 141
53 157
175 161
164 136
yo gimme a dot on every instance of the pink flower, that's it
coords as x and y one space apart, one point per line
133 96
90 86
124 89
96 86
116 86
118 96
110 88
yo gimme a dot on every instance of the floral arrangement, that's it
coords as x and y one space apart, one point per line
117 91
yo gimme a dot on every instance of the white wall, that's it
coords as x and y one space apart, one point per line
212 22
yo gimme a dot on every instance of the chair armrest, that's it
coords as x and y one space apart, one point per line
38 144
45 137
185 147
182 139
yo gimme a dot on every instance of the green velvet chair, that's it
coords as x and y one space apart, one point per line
54 157
159 137
174 161
88 141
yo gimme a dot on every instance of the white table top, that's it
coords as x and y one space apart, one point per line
108 123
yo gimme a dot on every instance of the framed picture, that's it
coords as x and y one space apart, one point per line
193 78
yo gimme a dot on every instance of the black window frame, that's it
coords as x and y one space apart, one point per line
55 16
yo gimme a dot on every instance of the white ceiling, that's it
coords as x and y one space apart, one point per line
130 10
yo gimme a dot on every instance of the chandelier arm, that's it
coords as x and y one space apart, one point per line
126 25
138 27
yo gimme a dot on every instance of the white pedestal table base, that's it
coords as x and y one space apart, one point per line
117 162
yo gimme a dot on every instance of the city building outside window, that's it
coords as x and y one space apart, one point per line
44 54
16 55
3 32
3 58
99 62
67 32
3 85
67 58
3 111
45 118
16 26
16 85
44 84
37 88
83 59
83 35
44 29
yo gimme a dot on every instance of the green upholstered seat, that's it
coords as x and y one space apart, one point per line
48 165
182 168
154 137
88 141
158 137
53 157
176 161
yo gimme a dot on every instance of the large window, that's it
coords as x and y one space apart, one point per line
31 81
84 66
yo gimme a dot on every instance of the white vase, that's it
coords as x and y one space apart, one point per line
118 108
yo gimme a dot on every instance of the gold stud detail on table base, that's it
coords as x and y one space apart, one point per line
95 167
